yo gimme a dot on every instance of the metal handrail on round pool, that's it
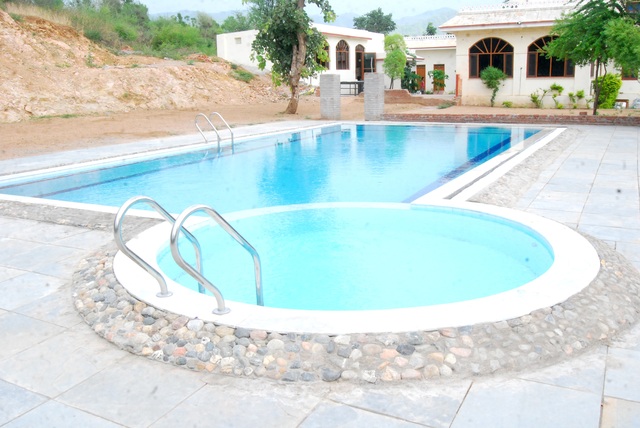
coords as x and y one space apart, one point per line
117 230
175 251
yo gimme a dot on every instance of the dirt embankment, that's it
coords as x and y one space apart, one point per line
50 70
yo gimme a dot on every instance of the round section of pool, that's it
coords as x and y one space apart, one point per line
340 268
366 257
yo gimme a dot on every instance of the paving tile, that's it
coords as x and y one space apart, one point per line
27 288
583 373
53 414
243 403
56 308
434 405
618 413
35 231
570 217
16 401
629 250
339 415
612 233
7 273
42 257
88 240
18 333
610 220
57 364
135 392
9 248
524 404
623 374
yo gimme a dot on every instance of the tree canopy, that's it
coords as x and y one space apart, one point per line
396 59
431 30
288 41
597 32
375 21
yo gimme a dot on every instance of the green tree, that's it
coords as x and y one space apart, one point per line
236 22
431 30
375 21
207 25
591 34
492 78
624 43
286 39
396 59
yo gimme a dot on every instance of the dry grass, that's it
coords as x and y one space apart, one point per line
60 18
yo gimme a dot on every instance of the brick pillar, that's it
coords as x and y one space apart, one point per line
330 96
373 96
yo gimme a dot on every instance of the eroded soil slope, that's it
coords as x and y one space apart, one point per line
49 70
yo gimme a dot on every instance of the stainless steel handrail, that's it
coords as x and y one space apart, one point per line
210 122
175 251
117 230
226 124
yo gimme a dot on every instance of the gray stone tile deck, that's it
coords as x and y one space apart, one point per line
54 371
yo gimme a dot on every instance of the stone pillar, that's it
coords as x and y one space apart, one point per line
330 96
373 96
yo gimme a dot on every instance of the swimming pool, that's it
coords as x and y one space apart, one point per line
365 256
338 163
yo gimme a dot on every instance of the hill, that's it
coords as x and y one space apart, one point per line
51 70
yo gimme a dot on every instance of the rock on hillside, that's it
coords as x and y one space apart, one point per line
48 69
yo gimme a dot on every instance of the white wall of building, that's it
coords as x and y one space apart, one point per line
516 89
236 48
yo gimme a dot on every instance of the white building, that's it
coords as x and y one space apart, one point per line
352 52
509 36
435 53
506 35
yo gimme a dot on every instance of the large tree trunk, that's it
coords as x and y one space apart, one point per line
297 65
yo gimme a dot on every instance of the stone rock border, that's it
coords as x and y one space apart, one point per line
608 305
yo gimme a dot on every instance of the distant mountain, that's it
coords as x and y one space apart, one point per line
416 25
407 26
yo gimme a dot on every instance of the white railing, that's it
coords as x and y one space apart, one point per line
435 37
521 4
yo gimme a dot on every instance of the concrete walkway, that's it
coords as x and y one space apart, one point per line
55 372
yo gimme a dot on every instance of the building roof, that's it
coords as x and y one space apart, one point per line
439 41
352 33
515 13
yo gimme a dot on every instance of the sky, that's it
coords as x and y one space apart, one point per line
398 9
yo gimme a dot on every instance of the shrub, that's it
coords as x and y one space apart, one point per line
610 84
492 78
507 104
241 74
537 97
126 32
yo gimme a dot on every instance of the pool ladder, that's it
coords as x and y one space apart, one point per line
209 120
178 228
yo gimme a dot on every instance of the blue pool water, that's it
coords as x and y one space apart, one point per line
368 163
368 257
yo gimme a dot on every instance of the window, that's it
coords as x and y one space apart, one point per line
342 55
492 52
238 40
538 65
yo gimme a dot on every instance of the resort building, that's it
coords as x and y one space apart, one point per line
352 53
508 36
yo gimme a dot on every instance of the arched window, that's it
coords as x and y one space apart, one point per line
538 65
342 55
492 52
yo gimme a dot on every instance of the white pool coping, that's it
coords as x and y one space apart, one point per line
576 264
